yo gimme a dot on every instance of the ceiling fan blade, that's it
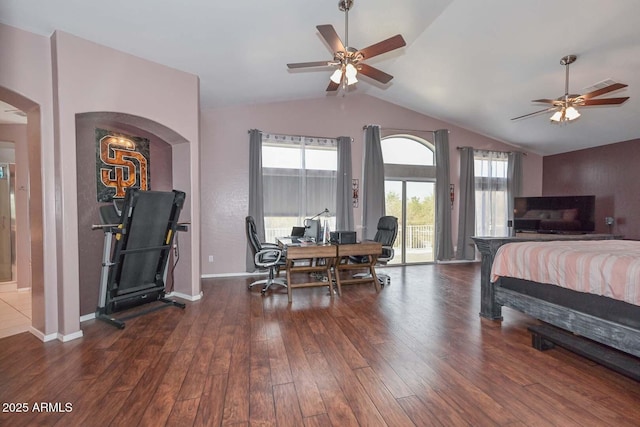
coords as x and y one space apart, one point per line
603 90
331 37
534 113
384 46
605 101
375 73
546 101
333 86
310 64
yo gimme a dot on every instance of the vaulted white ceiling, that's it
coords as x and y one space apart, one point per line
475 64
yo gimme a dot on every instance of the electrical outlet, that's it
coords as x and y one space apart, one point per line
210 258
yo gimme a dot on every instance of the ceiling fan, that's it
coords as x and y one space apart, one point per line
348 61
565 106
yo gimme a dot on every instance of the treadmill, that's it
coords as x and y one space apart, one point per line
138 238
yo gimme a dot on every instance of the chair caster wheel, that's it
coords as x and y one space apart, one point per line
263 292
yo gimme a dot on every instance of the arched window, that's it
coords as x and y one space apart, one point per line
410 175
407 150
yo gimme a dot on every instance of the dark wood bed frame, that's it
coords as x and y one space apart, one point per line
616 334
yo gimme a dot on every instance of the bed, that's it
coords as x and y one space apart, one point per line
590 303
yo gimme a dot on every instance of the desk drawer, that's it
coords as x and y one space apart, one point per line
365 248
305 252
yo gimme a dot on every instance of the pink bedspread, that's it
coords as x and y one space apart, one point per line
605 267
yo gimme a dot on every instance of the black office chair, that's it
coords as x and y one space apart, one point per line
386 234
265 256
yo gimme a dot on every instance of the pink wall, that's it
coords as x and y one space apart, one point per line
225 158
54 79
92 78
610 173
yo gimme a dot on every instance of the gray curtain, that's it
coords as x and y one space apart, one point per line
344 207
373 203
492 207
467 206
256 205
514 183
444 244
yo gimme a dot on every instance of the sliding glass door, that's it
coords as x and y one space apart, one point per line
410 176
413 203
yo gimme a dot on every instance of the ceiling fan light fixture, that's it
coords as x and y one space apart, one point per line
565 115
336 77
557 116
351 72
571 113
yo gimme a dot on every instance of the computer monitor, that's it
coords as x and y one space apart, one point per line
313 229
297 231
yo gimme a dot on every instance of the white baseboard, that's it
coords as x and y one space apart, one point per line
185 296
70 337
42 337
86 317
245 274
50 337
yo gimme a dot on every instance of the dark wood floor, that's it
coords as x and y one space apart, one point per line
417 353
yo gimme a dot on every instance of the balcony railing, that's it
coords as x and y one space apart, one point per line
418 237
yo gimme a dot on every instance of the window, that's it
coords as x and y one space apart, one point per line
299 181
406 150
410 196
490 169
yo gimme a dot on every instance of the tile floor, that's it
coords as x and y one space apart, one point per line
15 312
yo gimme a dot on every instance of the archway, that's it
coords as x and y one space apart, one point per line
162 141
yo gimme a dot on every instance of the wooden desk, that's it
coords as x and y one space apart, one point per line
321 259
371 249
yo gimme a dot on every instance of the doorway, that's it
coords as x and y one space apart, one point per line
413 203
15 302
410 177
20 196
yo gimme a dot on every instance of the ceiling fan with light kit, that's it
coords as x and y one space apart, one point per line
348 61
565 106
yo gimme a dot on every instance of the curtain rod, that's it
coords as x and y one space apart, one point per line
402 130
497 151
298 136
